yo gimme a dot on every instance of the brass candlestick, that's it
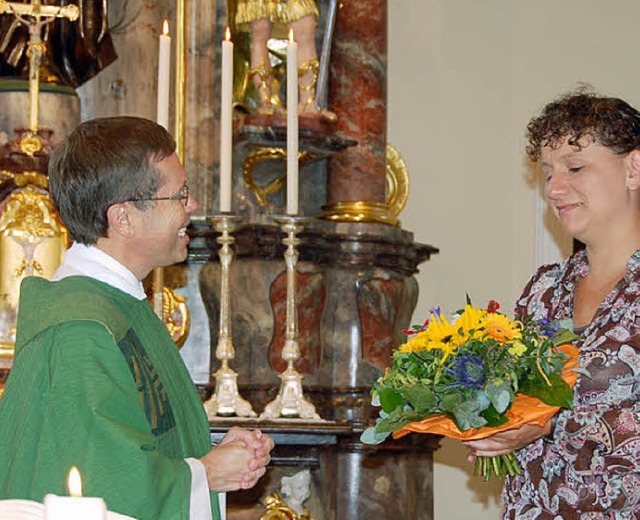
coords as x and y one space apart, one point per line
290 402
226 400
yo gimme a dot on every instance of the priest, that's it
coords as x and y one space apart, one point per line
97 381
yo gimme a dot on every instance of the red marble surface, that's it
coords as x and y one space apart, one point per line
311 295
358 95
379 303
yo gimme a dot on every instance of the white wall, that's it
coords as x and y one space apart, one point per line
465 76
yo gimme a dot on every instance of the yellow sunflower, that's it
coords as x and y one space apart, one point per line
416 343
501 328
470 320
439 335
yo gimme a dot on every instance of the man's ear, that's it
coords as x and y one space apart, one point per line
119 219
633 170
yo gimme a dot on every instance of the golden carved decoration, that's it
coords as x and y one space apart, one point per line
260 155
37 179
30 144
359 211
277 509
396 181
32 242
396 194
29 222
175 315
6 350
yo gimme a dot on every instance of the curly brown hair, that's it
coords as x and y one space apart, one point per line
609 121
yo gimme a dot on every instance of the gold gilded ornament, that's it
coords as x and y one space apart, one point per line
175 315
253 159
30 144
396 181
277 509
32 239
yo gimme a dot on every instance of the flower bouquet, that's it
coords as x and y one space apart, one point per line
478 375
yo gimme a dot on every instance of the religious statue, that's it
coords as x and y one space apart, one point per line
75 52
295 490
265 18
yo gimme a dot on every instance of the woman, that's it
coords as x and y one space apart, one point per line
585 463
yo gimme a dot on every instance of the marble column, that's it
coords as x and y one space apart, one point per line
358 95
201 92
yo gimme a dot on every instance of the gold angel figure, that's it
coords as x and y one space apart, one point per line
265 19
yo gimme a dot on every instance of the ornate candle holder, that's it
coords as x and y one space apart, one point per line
226 400
290 402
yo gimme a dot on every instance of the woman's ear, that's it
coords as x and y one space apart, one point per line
633 170
119 219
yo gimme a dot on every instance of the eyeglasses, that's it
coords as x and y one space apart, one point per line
182 196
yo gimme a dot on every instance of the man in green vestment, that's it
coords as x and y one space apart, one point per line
97 382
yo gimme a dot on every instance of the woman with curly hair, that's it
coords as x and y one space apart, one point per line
585 463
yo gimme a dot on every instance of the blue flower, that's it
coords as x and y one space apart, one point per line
468 372
548 327
436 311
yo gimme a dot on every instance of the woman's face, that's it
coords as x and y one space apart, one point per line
588 189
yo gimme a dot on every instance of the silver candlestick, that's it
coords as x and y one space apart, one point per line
226 400
290 402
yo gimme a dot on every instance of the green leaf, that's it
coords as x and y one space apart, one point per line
390 425
493 417
499 395
396 420
582 371
370 436
558 394
468 412
390 399
420 397
450 402
564 336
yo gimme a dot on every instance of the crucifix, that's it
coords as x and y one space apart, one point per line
38 16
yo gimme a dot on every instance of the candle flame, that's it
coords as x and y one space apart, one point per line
75 482
291 35
165 27
227 35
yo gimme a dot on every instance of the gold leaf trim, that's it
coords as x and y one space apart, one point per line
396 181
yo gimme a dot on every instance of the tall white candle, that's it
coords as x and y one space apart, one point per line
226 122
74 507
164 66
292 126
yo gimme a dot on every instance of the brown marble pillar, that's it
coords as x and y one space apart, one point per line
358 95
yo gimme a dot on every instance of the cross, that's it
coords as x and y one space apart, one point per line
40 15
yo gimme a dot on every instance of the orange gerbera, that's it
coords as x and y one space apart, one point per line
501 328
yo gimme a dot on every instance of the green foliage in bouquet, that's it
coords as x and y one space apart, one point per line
470 371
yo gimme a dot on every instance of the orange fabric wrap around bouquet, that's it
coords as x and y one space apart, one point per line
525 409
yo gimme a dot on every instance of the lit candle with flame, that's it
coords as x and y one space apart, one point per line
74 483
292 126
74 507
164 66
226 123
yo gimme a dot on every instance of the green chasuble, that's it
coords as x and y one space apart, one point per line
98 383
